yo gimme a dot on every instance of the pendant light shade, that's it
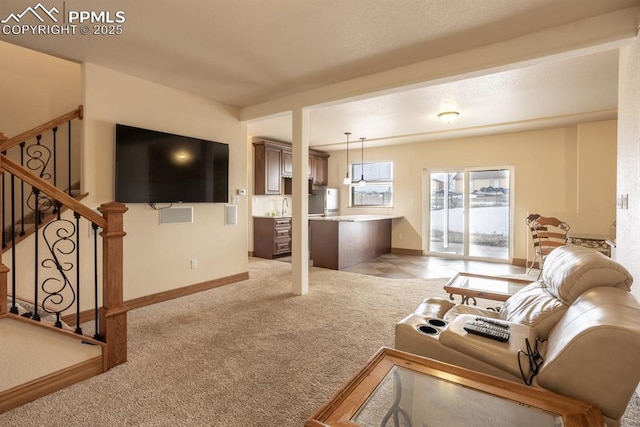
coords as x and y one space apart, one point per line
347 180
362 181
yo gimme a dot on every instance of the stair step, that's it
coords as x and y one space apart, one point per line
29 352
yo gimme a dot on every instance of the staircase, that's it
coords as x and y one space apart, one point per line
60 268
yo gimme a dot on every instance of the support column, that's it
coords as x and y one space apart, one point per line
300 222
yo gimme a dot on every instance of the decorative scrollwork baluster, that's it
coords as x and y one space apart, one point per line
78 330
38 158
60 294
44 202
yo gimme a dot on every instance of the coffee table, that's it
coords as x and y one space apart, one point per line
471 286
402 389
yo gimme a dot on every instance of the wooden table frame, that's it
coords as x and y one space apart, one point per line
347 401
468 294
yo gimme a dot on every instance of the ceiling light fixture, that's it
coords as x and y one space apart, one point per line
362 181
347 180
448 116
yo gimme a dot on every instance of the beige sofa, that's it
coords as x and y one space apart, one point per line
580 320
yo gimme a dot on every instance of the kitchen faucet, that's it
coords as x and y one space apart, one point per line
285 205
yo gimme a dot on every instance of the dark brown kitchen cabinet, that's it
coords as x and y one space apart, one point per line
273 161
271 236
319 168
287 163
267 164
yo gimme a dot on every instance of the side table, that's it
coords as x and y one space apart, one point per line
471 286
409 390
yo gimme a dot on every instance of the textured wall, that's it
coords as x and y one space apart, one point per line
628 232
575 181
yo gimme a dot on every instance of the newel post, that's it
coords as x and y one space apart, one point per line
113 315
4 270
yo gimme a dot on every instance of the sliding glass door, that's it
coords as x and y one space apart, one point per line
470 213
447 209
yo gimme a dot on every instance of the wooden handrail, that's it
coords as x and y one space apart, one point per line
51 191
25 136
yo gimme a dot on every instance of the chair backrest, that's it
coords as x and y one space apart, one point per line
548 233
529 220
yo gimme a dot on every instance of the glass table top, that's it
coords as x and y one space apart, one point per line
496 285
407 398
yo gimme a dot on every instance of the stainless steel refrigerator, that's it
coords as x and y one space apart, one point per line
324 201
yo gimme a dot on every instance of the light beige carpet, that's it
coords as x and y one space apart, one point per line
247 354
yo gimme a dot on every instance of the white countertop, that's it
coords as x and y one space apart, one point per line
347 218
354 218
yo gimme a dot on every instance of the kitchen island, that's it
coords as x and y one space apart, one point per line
339 242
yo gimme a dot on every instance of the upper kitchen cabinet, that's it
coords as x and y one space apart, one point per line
273 160
267 165
319 167
287 163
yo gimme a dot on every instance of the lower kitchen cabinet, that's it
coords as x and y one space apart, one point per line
271 236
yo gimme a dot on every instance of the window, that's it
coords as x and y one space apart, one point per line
378 190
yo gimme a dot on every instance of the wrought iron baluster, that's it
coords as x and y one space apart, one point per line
55 162
69 157
95 281
22 204
38 160
4 228
78 328
39 157
14 308
59 292
35 315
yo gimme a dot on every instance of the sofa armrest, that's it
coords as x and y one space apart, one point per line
502 355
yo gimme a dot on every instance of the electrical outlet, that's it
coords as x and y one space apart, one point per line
194 263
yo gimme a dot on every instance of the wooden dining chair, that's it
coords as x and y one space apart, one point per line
529 220
548 234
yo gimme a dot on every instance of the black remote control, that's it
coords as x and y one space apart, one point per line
488 330
493 322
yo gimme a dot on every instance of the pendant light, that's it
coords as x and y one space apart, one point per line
362 181
347 180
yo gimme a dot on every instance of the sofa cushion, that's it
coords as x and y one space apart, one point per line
535 307
434 307
572 269
592 353
502 355
460 309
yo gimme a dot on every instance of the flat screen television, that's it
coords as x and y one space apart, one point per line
159 167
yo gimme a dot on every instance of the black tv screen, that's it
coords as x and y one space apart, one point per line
159 167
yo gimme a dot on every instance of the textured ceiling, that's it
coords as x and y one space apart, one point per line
550 94
246 52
